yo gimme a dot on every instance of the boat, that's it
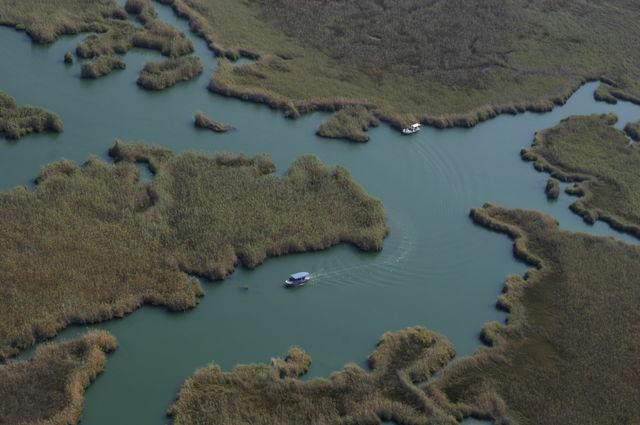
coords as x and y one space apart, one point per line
413 128
297 279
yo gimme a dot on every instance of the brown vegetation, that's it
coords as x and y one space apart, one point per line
68 58
202 121
16 121
349 123
101 65
260 394
49 388
569 352
589 151
91 242
161 75
412 60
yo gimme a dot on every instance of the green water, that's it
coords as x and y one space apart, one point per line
437 269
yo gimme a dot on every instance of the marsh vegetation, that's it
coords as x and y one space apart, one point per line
91 242
161 75
589 151
444 63
351 123
101 65
202 121
49 388
571 337
261 394
633 130
17 121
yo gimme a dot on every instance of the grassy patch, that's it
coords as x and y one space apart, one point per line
444 63
161 75
262 394
101 65
49 388
350 123
590 151
633 130
16 121
569 353
202 121
552 189
91 242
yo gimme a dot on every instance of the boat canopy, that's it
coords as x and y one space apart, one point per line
298 276
415 125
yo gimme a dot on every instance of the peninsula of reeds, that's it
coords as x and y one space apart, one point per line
569 351
262 394
17 121
202 121
101 65
91 242
351 123
591 152
633 130
49 388
162 75
446 63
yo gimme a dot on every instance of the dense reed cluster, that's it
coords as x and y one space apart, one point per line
16 121
350 123
49 388
448 63
113 34
589 151
91 242
202 121
552 189
101 65
261 394
569 352
161 75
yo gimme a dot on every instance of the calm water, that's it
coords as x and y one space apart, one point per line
437 269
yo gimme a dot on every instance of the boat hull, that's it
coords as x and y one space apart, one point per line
295 283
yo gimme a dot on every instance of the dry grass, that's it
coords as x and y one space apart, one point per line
161 75
49 388
202 121
101 65
444 63
271 394
350 123
588 150
68 58
16 121
91 242
569 352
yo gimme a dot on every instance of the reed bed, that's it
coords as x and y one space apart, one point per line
411 60
350 123
162 75
261 394
552 189
202 121
49 388
101 65
568 354
17 121
91 242
589 151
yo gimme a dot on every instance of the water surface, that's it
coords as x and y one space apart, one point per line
437 268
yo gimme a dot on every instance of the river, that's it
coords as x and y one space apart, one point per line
437 268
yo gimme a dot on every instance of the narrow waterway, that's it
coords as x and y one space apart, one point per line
437 269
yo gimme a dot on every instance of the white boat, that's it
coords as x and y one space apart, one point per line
297 279
413 128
